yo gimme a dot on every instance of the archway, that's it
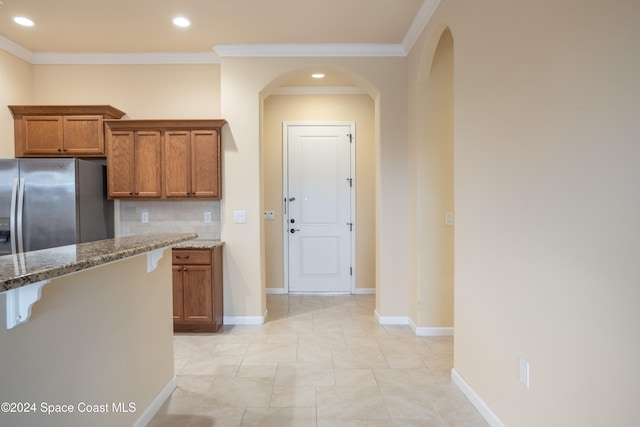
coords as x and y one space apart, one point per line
296 97
434 191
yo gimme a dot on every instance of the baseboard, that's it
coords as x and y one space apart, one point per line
356 291
245 320
363 291
156 404
428 331
476 401
391 320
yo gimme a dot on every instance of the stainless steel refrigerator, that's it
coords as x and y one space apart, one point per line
46 203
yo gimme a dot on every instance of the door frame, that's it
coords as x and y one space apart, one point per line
285 182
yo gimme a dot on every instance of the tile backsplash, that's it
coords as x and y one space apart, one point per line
170 216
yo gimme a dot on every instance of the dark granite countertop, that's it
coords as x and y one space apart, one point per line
30 267
199 244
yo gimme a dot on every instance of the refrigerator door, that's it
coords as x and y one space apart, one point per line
49 210
8 181
95 211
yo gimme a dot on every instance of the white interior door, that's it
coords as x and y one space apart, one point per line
319 225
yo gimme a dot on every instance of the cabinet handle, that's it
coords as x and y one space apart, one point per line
182 256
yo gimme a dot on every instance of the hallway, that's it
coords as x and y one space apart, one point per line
318 361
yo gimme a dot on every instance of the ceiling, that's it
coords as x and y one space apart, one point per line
127 26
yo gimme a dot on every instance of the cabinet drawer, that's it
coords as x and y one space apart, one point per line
191 256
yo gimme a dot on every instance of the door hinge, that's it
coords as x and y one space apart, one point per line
350 271
350 135
350 224
350 182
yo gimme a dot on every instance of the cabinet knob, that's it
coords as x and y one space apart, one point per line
131 194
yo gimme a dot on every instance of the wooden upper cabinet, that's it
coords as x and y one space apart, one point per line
61 131
133 164
190 158
177 163
192 163
205 164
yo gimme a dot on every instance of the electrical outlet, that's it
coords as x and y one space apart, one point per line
524 372
144 217
448 218
269 215
207 217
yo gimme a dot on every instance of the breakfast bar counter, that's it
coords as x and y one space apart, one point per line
87 332
30 267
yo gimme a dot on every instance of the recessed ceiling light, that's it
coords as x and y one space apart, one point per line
181 21
317 75
21 20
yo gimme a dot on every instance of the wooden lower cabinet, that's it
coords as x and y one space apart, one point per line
197 290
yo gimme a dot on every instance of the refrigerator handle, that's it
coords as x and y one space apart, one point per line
12 217
19 218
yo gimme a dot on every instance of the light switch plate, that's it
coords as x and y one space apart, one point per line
144 217
239 217
207 217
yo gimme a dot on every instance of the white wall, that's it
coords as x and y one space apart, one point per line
546 148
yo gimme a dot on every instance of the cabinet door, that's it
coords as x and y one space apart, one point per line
121 163
198 298
42 135
178 294
205 164
148 152
83 135
177 163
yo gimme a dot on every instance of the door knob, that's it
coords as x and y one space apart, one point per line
293 230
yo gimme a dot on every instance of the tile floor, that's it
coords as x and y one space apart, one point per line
318 361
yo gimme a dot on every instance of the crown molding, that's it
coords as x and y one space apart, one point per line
15 49
420 21
319 90
126 58
308 50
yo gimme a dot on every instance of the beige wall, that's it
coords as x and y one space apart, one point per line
15 89
354 108
141 91
431 183
546 237
99 336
